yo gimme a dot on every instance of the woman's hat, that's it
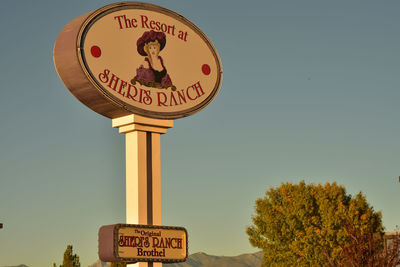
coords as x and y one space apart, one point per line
150 36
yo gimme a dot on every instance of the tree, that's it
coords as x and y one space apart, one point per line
366 249
70 259
303 224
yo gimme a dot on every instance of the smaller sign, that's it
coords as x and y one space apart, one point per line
142 243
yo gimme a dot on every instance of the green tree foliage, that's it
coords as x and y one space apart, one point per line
70 259
303 224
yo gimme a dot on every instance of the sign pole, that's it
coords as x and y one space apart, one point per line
173 72
143 169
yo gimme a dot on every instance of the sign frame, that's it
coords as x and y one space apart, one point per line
73 68
109 247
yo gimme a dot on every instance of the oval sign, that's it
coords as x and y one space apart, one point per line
138 58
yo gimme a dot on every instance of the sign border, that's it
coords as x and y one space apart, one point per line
133 260
101 12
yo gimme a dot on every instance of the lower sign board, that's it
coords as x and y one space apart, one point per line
142 243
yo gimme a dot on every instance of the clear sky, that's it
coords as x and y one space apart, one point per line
310 91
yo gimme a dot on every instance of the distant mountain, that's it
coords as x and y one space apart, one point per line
204 260
100 264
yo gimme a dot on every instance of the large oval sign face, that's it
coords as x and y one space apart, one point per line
143 59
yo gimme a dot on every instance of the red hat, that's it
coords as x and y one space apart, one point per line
150 36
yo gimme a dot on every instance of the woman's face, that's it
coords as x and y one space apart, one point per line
153 49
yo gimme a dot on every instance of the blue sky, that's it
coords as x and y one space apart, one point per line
310 91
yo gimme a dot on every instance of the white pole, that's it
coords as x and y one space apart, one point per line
143 170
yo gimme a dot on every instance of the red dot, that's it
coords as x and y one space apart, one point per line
206 69
96 51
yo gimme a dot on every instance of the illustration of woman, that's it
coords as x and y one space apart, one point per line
152 71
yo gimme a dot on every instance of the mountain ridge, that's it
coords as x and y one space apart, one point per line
201 259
